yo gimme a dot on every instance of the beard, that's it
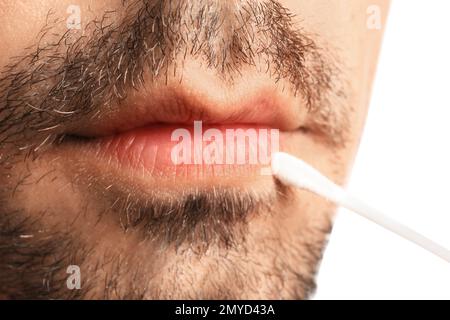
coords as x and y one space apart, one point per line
224 243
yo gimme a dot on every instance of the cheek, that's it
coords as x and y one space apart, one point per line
20 25
23 20
36 189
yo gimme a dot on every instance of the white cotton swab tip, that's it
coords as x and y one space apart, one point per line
295 172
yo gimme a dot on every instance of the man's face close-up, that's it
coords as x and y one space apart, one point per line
136 135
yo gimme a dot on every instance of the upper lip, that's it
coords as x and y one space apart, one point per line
179 105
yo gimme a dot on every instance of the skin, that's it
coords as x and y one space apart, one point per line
277 257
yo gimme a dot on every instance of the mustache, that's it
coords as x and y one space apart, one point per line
63 81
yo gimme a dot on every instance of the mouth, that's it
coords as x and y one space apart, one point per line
177 139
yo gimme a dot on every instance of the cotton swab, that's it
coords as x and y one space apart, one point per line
293 171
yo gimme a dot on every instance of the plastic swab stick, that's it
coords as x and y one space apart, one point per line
292 171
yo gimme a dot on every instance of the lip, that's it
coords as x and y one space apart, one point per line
136 139
159 151
182 105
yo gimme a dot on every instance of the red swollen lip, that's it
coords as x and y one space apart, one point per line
190 152
137 139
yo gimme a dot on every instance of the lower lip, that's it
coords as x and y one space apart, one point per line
189 152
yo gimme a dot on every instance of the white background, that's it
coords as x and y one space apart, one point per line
403 167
